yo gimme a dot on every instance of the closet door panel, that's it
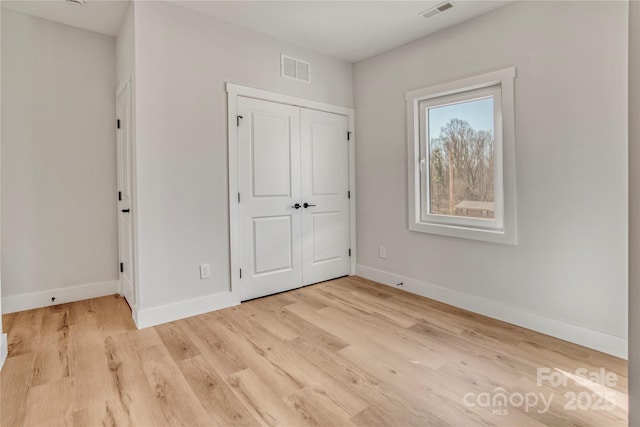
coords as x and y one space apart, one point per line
269 183
325 186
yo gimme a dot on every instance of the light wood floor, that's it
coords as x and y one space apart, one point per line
345 352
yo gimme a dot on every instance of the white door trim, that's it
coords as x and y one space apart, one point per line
233 91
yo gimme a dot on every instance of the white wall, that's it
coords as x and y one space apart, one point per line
182 61
58 162
634 212
569 269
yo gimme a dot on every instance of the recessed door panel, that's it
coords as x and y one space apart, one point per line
325 186
329 234
273 244
270 154
326 142
269 184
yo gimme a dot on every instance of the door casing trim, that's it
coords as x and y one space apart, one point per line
233 92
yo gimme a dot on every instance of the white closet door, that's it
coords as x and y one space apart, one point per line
125 221
325 186
269 183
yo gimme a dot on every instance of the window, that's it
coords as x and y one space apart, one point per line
462 158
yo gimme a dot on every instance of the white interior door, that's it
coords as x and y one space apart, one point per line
269 184
325 195
125 224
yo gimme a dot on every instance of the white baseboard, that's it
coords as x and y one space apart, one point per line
21 302
183 309
3 349
563 330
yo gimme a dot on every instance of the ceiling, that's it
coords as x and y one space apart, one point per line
347 30
103 16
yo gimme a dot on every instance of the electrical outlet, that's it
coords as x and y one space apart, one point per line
205 271
382 251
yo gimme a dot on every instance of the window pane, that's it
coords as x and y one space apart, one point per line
461 159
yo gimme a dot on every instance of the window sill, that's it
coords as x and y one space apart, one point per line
486 235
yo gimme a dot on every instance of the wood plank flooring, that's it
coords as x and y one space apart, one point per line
348 352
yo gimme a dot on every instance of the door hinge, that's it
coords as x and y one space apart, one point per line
121 267
349 194
241 273
238 120
348 136
238 197
349 251
118 123
119 195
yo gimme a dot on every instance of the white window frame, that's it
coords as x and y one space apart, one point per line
500 85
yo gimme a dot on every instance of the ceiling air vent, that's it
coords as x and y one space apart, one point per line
436 10
296 69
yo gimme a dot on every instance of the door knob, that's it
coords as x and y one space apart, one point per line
125 210
307 205
296 206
